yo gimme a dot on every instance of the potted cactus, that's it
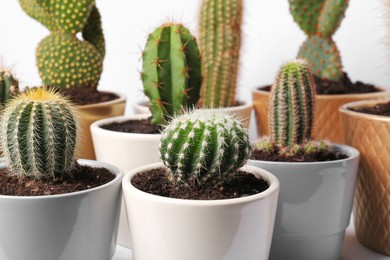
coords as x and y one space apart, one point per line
75 65
317 179
203 153
320 20
171 79
51 203
9 85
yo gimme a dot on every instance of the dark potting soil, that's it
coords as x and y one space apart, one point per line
87 95
344 86
83 177
379 109
241 185
301 156
143 126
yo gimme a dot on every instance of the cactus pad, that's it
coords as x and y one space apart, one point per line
93 32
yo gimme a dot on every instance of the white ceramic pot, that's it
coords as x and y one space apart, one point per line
314 207
75 226
176 229
126 151
141 108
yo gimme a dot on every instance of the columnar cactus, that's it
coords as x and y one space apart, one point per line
171 71
63 60
320 19
291 104
38 134
201 146
9 86
220 42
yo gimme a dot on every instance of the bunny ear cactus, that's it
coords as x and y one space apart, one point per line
63 60
39 134
9 86
319 19
220 42
203 146
171 71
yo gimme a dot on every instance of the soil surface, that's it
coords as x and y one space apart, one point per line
344 86
143 126
88 95
379 109
156 182
276 156
84 177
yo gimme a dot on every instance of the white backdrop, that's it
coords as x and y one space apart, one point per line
270 38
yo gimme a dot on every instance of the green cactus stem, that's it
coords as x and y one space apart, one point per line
171 71
203 146
319 20
39 134
220 42
9 86
292 104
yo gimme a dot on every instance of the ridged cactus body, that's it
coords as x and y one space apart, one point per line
171 71
292 104
39 134
9 86
63 60
220 42
202 146
319 19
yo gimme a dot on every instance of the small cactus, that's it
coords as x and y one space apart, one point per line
203 146
319 20
9 86
220 42
62 59
292 104
39 134
171 71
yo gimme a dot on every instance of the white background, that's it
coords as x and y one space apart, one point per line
270 38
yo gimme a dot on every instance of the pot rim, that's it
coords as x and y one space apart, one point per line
92 163
352 153
269 177
121 98
244 105
344 109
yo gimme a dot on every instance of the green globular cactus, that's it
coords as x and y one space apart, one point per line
220 42
292 104
9 86
38 134
171 71
319 19
62 59
203 146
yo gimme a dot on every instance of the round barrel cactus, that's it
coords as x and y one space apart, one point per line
38 131
202 145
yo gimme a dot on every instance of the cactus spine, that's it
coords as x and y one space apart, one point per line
291 104
220 42
203 146
9 86
63 60
39 134
319 20
171 71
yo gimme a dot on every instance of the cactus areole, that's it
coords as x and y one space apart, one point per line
203 146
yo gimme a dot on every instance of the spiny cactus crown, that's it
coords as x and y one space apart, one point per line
203 146
292 104
171 72
38 134
63 60
220 42
9 85
319 19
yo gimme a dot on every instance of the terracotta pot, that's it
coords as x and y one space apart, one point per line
91 113
370 134
327 121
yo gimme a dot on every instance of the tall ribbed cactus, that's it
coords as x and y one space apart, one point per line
63 60
9 86
38 134
220 42
171 71
292 104
203 146
319 19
